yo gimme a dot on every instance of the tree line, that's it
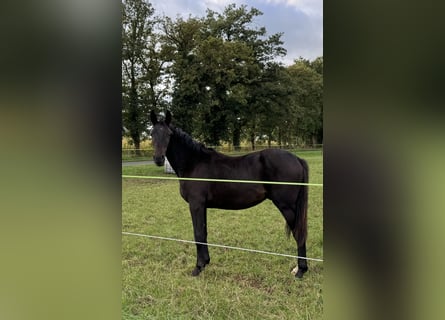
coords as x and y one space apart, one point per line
219 76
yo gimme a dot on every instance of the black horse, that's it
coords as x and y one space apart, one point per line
191 159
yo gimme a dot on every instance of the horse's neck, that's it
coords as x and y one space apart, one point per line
180 154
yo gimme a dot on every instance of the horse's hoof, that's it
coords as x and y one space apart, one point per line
300 273
196 271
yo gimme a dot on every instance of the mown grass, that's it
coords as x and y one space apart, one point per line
156 280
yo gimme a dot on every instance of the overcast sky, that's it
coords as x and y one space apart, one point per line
300 20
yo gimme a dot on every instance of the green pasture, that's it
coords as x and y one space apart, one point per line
156 280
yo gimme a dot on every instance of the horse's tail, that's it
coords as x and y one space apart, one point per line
300 227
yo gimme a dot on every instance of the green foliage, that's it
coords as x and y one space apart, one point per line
137 27
218 76
215 60
308 100
143 67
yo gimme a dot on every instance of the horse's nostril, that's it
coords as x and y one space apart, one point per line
159 160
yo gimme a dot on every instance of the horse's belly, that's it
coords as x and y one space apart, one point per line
235 196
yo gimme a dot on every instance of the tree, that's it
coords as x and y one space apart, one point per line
246 105
308 100
180 40
143 67
217 64
275 92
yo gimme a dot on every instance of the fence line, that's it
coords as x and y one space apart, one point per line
225 180
221 246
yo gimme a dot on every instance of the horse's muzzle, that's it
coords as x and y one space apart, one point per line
159 160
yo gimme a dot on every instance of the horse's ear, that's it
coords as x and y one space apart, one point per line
153 118
168 117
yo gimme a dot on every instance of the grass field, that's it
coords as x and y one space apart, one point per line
156 281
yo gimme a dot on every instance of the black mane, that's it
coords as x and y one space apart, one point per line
183 152
189 142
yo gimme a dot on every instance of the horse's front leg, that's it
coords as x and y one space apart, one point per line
199 219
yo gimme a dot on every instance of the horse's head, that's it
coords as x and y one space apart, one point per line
160 137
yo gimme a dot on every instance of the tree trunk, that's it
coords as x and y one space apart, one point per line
137 144
252 140
236 138
314 141
134 115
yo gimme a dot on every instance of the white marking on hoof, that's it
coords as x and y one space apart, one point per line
294 270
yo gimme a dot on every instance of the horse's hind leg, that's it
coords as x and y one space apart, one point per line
302 263
199 219
290 216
